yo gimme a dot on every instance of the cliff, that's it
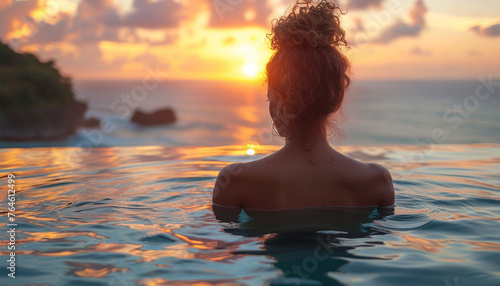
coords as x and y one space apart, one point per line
36 101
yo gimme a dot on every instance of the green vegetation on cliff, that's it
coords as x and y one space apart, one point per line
26 82
36 101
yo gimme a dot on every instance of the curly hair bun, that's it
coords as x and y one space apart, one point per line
309 23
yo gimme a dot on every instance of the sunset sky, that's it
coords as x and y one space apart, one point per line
225 39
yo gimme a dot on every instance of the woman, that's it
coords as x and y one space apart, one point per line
307 77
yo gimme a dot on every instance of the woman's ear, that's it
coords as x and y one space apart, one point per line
272 103
270 93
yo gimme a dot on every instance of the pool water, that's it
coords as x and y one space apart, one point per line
143 216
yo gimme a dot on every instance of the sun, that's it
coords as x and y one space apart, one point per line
250 69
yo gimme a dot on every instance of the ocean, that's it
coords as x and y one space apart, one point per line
217 113
125 205
121 216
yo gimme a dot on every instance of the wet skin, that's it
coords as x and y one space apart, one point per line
307 172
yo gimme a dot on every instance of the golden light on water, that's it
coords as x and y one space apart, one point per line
123 176
251 149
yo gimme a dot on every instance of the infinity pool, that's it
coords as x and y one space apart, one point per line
143 216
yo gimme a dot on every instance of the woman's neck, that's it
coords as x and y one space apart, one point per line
312 138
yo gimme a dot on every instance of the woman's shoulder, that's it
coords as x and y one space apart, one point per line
372 178
229 185
379 182
359 169
236 179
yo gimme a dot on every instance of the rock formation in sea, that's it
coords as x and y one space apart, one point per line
91 123
159 117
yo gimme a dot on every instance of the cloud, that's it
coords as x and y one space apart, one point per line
14 14
83 61
93 21
86 25
417 51
239 13
148 14
364 4
88 22
490 31
411 28
101 20
81 34
52 32
168 39
359 25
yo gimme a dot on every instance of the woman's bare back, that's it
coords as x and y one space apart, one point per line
294 178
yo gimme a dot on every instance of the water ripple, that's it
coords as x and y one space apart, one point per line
143 215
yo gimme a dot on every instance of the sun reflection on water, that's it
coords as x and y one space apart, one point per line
151 206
